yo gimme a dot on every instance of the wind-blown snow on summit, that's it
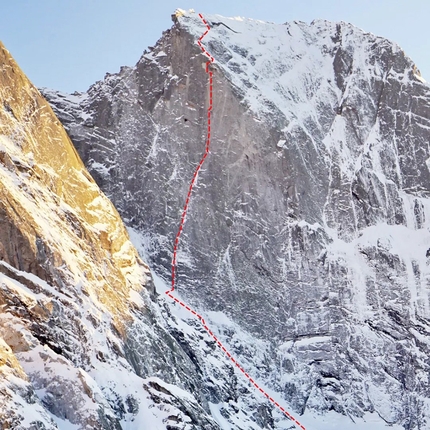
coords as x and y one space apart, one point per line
306 243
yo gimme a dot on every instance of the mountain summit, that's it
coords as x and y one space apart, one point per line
305 246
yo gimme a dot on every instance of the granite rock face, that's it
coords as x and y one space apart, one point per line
307 240
83 342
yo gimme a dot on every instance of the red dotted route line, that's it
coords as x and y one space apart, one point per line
181 226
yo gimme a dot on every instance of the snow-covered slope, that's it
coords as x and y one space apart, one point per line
306 243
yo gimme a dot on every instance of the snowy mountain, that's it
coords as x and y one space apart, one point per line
305 246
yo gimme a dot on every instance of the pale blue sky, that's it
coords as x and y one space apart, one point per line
69 44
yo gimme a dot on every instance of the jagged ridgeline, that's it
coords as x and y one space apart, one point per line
305 246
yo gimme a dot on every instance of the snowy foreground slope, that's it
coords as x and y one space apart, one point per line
307 241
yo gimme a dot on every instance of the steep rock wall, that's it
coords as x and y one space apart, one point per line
82 342
309 228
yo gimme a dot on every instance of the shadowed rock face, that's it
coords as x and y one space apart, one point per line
310 224
82 340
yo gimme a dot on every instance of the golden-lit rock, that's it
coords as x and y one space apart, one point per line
66 266
54 220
